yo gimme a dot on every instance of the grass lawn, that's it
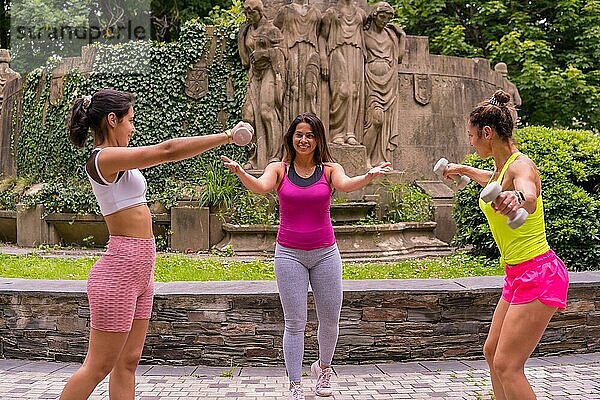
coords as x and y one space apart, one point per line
186 268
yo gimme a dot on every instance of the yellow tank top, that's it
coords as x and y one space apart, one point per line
523 243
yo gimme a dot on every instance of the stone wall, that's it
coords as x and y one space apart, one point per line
241 323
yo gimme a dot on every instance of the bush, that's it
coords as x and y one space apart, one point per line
569 165
406 202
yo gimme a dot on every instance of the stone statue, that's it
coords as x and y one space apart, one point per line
384 46
342 29
6 73
510 88
300 24
10 107
259 43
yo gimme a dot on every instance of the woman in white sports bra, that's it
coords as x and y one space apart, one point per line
121 282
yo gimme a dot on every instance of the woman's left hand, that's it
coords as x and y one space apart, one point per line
380 169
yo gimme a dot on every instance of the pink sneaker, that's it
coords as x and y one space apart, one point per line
296 391
322 376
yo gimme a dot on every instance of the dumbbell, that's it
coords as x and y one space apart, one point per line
491 192
441 166
242 135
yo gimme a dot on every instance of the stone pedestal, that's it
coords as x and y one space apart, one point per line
442 197
190 227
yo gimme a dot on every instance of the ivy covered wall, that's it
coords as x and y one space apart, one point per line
155 73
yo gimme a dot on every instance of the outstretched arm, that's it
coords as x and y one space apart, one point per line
263 184
115 159
342 182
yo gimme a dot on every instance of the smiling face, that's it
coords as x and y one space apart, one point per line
123 129
304 140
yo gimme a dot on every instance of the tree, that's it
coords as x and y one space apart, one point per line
552 49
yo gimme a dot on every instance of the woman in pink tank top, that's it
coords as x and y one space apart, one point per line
121 282
306 252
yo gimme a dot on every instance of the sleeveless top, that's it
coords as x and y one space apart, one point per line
305 222
128 189
523 243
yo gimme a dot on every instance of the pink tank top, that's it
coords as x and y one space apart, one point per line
305 222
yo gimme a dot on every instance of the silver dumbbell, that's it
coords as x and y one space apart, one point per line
441 166
491 192
243 135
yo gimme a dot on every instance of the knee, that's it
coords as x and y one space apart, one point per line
506 368
489 351
295 325
97 371
128 362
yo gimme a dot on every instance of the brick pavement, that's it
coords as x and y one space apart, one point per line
572 377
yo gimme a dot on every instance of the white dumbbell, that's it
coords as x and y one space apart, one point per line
491 192
441 166
242 135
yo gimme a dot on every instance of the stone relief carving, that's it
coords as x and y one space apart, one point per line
260 46
300 24
423 88
196 82
342 29
385 46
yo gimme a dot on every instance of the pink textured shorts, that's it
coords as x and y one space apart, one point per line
121 284
544 278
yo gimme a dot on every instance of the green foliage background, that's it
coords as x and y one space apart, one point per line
552 49
569 165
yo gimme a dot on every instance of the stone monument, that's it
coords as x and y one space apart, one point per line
384 46
511 89
260 47
10 103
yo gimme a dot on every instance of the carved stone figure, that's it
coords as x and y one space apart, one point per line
6 73
342 29
10 109
511 89
259 43
385 46
300 24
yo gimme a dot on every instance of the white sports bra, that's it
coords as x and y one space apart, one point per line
128 189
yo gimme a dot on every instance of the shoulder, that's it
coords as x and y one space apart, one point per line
522 166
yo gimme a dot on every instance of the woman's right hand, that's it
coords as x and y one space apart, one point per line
233 166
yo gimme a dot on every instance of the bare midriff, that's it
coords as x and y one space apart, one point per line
134 221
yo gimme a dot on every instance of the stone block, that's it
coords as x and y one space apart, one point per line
32 229
190 228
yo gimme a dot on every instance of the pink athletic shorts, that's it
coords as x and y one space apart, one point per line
544 278
120 285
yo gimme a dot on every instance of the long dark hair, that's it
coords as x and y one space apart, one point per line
495 113
91 113
321 154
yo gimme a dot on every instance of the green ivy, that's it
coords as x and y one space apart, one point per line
569 165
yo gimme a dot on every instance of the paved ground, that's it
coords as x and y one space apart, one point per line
572 377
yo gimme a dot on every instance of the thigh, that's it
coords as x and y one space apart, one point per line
523 327
292 284
134 345
491 343
326 282
104 349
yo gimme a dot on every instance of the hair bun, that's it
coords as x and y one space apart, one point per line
500 98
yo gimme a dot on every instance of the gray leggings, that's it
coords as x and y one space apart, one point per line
294 269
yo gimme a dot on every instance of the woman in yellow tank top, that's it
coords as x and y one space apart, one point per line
536 281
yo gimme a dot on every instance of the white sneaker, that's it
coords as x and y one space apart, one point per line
322 377
296 391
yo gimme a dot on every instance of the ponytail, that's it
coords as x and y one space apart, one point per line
91 111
